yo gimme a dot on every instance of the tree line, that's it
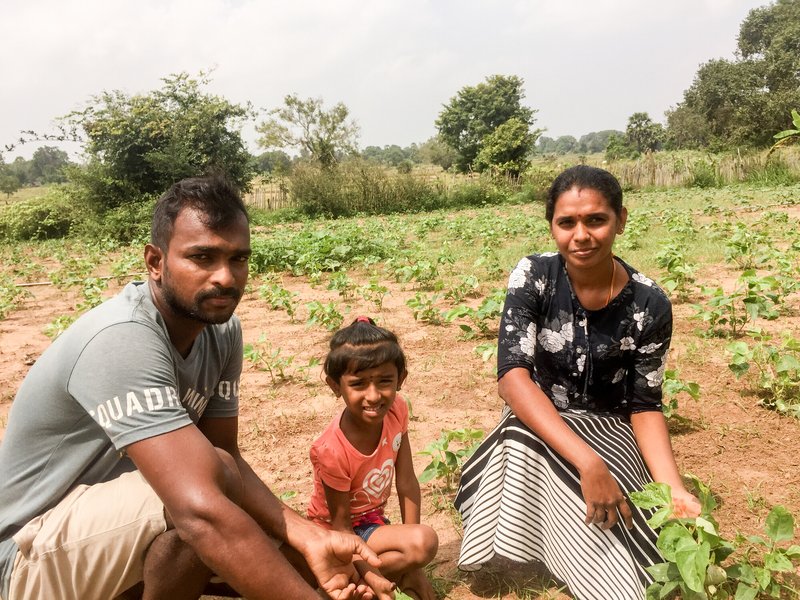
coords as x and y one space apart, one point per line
137 145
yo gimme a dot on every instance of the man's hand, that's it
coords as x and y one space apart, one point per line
330 557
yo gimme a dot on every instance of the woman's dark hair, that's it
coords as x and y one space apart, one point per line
214 197
584 177
363 345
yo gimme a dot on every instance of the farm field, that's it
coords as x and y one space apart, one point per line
730 256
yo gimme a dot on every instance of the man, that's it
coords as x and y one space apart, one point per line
120 463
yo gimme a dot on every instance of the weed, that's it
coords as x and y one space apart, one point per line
446 462
777 367
264 357
674 386
279 298
325 315
374 292
423 308
58 326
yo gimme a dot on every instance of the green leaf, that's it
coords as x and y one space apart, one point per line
668 588
786 133
673 537
652 495
745 592
692 563
659 571
780 525
661 516
777 561
793 551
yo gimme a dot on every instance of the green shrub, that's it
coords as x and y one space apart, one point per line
50 216
127 223
704 174
774 171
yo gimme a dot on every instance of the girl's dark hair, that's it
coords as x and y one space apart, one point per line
584 177
363 345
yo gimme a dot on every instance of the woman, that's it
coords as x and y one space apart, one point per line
581 353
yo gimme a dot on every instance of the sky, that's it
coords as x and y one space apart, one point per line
587 65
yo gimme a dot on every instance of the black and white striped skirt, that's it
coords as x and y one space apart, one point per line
520 500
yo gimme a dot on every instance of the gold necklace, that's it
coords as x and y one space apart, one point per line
611 287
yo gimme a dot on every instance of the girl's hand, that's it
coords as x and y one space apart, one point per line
685 505
605 503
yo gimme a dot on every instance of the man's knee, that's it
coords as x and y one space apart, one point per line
233 483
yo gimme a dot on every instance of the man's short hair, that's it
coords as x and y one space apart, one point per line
214 197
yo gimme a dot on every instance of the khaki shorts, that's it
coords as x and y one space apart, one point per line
91 545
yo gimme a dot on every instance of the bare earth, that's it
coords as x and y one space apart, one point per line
748 455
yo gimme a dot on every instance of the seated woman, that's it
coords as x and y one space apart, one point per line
581 354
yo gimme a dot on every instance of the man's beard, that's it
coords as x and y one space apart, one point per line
194 311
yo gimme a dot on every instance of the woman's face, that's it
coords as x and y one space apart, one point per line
584 227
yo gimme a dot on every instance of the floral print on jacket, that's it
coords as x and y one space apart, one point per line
606 360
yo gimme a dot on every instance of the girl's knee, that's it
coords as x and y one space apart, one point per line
425 543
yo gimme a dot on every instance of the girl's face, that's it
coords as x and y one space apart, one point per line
584 227
369 394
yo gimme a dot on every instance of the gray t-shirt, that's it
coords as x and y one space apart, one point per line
112 379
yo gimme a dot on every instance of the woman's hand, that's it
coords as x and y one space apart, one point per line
605 503
685 505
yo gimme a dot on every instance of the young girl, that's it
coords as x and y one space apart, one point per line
364 448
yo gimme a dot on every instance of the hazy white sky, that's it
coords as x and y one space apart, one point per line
587 64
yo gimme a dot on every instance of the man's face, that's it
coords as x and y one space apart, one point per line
204 271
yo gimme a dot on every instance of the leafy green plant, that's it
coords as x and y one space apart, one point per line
268 359
424 273
699 564
374 292
778 371
58 326
423 307
11 296
341 283
487 351
679 280
788 135
674 386
755 297
467 287
92 291
446 462
279 298
747 247
325 315
484 318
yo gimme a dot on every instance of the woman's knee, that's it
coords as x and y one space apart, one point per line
233 484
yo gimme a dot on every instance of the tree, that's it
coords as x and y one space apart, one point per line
476 111
304 124
741 102
565 144
8 183
618 148
507 148
139 145
437 152
643 134
48 165
275 161
596 141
